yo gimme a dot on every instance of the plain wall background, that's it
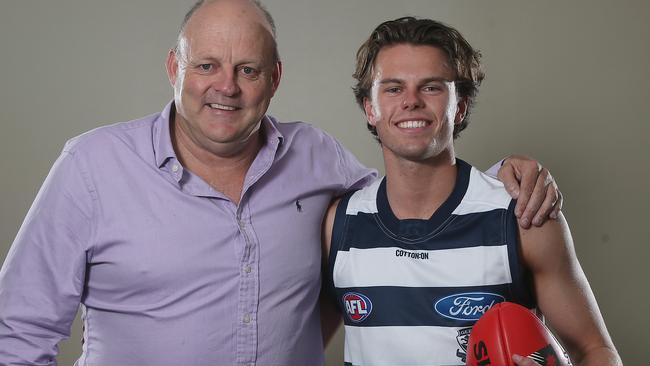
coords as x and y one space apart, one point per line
567 82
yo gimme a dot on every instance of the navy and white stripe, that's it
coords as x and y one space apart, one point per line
418 274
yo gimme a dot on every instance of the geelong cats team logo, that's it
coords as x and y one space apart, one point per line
357 306
463 339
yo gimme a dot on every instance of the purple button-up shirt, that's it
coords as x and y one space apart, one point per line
168 270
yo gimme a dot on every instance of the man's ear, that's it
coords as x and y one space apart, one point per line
370 111
276 75
172 66
461 110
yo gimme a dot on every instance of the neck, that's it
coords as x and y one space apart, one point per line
223 167
416 189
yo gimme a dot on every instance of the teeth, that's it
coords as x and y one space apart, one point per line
411 124
221 106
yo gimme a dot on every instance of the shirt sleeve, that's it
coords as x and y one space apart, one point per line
356 174
493 171
42 278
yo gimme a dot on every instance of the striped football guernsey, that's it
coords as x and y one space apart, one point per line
410 290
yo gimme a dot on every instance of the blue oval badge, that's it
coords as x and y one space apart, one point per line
467 306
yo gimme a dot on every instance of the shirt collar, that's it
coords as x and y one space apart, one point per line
162 144
272 134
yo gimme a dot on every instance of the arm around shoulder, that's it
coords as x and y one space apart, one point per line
534 188
356 174
564 295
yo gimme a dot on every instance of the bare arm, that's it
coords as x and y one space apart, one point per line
564 295
330 318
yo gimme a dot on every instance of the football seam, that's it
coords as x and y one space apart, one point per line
504 342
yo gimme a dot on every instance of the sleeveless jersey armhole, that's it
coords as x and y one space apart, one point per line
339 231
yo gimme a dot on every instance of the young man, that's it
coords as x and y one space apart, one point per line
417 257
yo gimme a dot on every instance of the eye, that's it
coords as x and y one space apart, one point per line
205 67
249 72
393 90
434 88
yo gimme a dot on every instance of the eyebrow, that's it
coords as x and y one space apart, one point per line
201 59
423 81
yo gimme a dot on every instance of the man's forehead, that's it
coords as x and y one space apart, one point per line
407 60
417 52
210 40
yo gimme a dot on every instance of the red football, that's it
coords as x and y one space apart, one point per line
507 329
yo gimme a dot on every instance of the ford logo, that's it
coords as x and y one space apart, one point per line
467 306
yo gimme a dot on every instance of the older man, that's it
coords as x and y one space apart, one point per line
191 236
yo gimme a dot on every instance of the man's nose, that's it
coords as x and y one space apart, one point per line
412 100
226 82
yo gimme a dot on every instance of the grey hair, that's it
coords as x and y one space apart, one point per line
257 3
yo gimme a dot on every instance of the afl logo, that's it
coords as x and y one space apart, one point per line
357 306
467 306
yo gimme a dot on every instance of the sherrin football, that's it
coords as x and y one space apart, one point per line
507 329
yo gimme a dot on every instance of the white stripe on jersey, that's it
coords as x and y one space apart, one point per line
364 200
483 265
483 194
401 345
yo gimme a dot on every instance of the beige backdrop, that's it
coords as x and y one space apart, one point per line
567 82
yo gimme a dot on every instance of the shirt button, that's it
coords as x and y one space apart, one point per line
175 168
247 319
247 269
